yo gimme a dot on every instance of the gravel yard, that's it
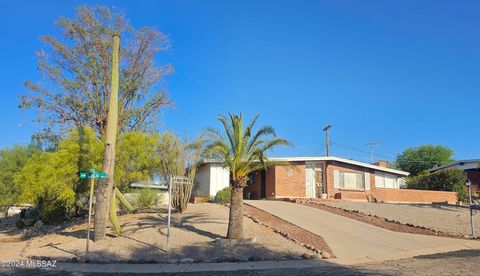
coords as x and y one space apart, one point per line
445 218
193 236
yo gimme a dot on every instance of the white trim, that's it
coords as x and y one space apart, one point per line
367 181
323 158
338 159
336 179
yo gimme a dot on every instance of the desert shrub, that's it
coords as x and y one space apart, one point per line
175 156
147 198
223 196
443 180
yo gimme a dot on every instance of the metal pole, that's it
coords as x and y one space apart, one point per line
92 183
328 144
326 139
169 211
471 210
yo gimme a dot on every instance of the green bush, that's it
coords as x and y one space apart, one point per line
223 196
147 198
443 180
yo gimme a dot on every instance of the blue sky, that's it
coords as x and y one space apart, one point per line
404 73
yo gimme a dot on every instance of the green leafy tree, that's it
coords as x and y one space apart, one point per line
137 158
242 151
423 158
50 179
443 180
11 162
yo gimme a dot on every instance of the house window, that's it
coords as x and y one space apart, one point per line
351 180
386 180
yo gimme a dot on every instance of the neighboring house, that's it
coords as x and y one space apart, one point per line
470 167
156 183
210 178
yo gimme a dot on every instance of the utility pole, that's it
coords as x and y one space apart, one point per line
326 138
372 148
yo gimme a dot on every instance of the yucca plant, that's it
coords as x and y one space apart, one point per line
243 151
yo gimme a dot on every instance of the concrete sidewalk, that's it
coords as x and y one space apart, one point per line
357 242
69 268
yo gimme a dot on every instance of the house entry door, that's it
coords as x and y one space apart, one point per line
319 189
309 180
263 184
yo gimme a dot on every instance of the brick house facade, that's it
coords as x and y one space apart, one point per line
336 178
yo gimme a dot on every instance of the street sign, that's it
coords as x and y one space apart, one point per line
93 174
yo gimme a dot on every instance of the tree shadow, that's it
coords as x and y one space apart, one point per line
52 245
436 205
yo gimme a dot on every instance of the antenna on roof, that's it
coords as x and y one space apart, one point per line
372 148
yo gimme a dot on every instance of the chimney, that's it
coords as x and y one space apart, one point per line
381 163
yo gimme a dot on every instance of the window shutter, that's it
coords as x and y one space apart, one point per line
367 181
336 179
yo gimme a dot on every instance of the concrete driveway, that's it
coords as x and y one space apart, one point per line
356 242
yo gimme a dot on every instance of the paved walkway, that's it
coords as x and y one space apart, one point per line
196 268
356 242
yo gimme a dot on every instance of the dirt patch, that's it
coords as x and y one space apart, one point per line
391 225
292 232
193 239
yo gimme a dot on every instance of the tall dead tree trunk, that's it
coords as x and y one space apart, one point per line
104 190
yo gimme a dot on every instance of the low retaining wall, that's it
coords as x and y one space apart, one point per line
414 196
352 195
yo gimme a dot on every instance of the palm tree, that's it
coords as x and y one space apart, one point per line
242 152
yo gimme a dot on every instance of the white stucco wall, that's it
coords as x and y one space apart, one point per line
219 178
202 180
211 178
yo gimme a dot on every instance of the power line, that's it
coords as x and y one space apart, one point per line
384 156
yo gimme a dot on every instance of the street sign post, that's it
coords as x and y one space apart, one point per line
92 174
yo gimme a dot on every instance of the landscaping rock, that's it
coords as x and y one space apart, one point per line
243 259
309 256
30 216
38 224
186 261
326 255
255 258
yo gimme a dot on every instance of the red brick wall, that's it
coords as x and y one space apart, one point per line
353 195
414 196
290 186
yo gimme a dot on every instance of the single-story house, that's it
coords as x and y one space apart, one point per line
470 167
320 177
334 177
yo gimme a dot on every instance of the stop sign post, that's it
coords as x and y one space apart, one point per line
92 174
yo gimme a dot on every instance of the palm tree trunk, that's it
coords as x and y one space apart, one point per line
235 222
